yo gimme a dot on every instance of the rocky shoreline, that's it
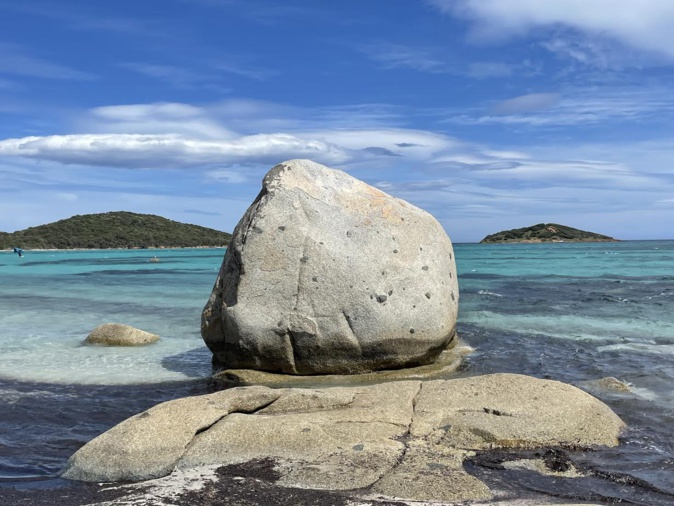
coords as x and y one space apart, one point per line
543 476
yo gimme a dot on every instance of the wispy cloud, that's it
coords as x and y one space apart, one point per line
581 51
481 70
526 103
239 69
177 77
396 56
644 25
84 18
15 60
575 106
167 118
496 69
261 12
121 26
391 56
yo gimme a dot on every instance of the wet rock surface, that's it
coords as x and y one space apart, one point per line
445 366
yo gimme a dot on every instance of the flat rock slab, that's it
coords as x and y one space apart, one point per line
402 439
118 334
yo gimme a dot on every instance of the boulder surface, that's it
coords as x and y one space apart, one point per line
118 334
404 439
328 275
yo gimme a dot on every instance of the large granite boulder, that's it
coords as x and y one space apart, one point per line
404 439
119 334
326 274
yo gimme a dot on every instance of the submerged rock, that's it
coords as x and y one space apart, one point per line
118 334
608 384
328 275
405 439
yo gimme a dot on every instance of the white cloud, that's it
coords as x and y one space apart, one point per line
237 159
176 135
157 151
453 179
644 24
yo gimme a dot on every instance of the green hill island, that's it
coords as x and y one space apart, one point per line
546 232
114 230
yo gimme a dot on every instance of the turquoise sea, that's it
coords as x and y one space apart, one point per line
570 312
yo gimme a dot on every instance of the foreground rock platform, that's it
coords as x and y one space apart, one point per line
326 274
401 439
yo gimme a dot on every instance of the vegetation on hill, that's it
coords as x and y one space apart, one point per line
114 230
546 232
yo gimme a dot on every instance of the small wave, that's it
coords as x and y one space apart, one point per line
487 292
605 298
666 293
642 347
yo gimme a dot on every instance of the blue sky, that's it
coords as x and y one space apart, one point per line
489 114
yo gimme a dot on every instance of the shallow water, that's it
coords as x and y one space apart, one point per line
570 312
51 300
576 313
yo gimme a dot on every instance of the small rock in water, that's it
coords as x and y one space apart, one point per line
266 311
118 334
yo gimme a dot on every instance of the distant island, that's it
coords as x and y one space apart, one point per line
546 232
114 230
